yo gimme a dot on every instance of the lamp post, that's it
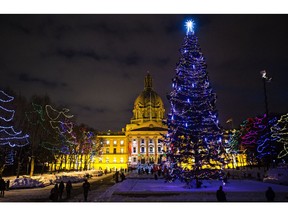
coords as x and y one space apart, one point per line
265 79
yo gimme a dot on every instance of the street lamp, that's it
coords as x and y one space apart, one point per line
265 79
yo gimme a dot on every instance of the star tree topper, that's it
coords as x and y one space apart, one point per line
190 27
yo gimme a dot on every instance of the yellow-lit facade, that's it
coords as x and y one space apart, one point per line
114 151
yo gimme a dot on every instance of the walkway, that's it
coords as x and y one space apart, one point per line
144 188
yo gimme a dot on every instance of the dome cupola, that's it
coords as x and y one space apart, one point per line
148 106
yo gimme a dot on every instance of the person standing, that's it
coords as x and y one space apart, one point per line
7 185
61 189
270 195
122 175
2 187
68 189
86 189
220 194
54 193
117 176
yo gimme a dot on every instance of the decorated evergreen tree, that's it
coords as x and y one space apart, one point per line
266 144
251 129
10 139
194 139
280 134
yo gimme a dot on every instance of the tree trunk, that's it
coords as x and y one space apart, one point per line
81 158
61 162
2 169
32 165
18 168
85 162
43 167
65 162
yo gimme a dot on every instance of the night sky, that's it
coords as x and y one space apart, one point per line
95 64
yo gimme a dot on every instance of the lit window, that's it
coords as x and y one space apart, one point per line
121 150
122 142
115 142
134 141
121 160
107 160
114 160
100 160
107 141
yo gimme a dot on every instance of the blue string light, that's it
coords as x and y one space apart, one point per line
8 136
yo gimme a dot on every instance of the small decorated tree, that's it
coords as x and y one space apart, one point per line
280 134
10 139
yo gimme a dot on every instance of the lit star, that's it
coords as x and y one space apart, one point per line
190 27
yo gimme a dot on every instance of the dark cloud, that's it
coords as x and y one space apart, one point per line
132 59
72 54
161 61
24 77
91 109
126 75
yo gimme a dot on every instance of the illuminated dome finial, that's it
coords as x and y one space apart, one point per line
190 27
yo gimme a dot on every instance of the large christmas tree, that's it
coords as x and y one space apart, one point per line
194 144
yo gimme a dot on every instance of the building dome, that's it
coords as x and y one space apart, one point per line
148 106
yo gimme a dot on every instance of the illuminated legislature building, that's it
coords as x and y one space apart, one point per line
140 141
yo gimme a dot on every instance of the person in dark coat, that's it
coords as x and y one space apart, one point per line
270 195
68 189
155 176
2 187
220 194
122 175
86 188
117 176
61 189
54 193
8 185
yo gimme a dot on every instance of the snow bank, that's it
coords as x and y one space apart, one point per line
277 176
25 183
48 179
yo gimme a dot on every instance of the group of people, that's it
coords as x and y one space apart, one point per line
119 176
221 195
56 192
4 186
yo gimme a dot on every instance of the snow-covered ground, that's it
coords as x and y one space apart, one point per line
274 175
47 179
144 192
